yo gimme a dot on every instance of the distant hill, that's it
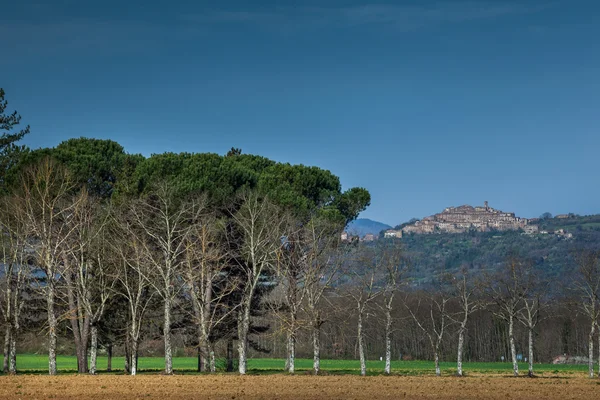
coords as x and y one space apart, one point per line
362 226
551 251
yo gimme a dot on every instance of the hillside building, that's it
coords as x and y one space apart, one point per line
391 233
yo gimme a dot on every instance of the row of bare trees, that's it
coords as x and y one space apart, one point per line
515 296
226 271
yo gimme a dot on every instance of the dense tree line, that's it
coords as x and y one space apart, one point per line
240 255
512 313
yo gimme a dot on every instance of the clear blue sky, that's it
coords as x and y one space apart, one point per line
428 104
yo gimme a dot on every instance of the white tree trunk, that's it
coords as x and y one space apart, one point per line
599 355
459 356
291 352
93 349
167 337
388 341
51 326
436 357
361 349
12 365
513 351
316 348
7 338
134 352
591 350
530 360
243 327
204 348
203 312
286 368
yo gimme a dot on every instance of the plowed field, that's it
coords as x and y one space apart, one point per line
296 387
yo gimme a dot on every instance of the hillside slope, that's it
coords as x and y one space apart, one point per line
552 253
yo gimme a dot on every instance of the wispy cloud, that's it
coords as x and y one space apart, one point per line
401 17
110 36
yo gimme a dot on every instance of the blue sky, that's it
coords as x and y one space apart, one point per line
427 104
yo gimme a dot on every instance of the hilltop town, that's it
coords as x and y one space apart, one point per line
464 218
467 218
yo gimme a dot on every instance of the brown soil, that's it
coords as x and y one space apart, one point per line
296 387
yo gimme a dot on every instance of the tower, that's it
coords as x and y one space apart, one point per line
485 204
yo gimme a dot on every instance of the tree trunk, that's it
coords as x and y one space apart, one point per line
12 365
79 326
51 326
243 327
167 337
7 338
317 347
202 314
229 367
530 372
513 351
8 316
361 349
127 365
459 356
199 356
388 341
82 365
109 349
133 363
94 350
591 350
211 355
286 367
291 352
128 340
436 357
203 351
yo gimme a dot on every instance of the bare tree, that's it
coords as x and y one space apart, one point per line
47 203
507 288
465 292
133 286
292 269
88 282
529 314
323 260
434 321
15 275
208 283
162 223
393 270
364 287
257 245
587 286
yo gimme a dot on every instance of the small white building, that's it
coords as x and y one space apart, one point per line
390 233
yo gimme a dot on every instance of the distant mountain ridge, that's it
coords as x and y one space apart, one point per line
362 226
